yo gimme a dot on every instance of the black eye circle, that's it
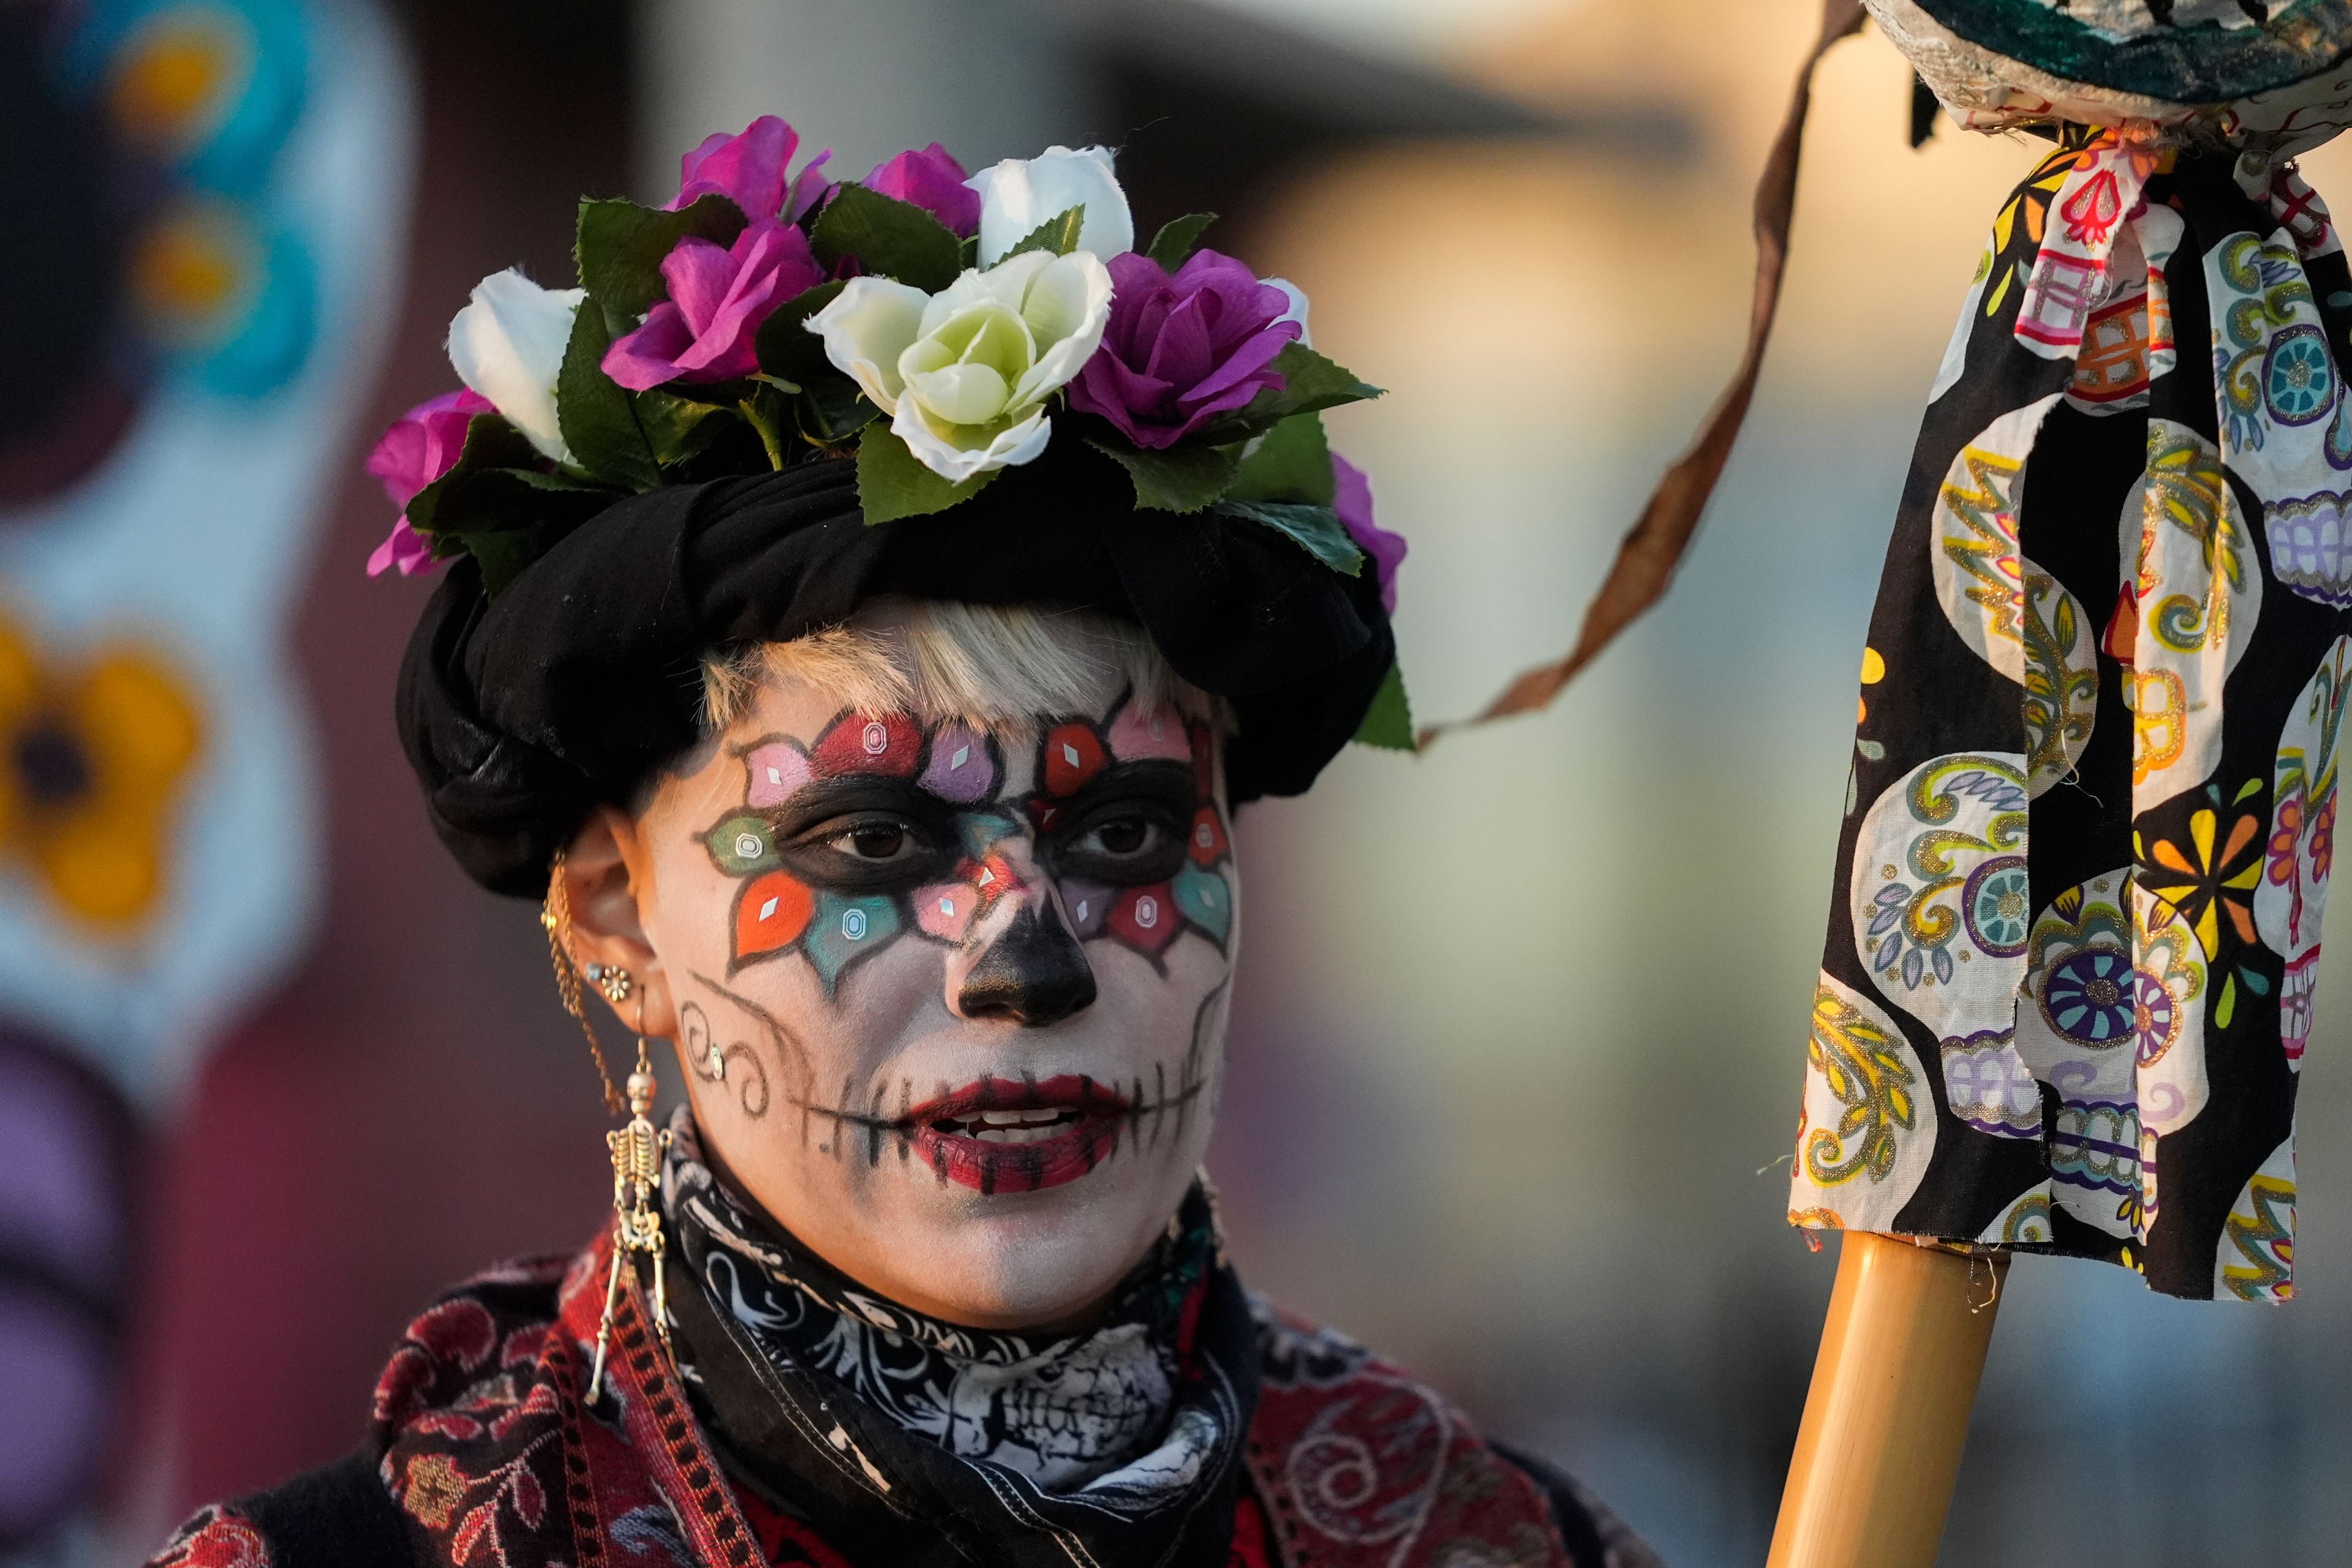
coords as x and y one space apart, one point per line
1124 834
878 841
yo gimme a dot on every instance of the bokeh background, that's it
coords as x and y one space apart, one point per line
1518 1036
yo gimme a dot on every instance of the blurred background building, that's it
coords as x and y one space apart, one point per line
1519 1031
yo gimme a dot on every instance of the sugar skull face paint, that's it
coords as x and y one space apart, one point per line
834 842
951 1003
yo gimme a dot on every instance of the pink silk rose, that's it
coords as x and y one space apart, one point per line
1181 349
930 178
422 445
708 329
749 170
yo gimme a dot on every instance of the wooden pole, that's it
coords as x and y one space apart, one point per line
1879 1448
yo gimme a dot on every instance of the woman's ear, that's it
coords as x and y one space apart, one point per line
605 871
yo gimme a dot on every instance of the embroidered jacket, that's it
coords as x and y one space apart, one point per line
483 1453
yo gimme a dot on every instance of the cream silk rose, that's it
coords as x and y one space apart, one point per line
965 374
1019 194
508 345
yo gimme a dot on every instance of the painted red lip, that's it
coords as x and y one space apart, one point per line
1096 1114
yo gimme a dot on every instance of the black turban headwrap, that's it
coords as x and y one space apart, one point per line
522 712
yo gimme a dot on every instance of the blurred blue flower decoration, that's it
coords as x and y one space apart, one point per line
210 87
154 129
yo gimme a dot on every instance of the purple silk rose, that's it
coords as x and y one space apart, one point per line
422 445
749 169
706 329
1353 502
1180 351
929 178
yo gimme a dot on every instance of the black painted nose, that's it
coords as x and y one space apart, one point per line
1035 974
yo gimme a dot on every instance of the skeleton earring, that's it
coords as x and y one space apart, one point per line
636 1148
636 1222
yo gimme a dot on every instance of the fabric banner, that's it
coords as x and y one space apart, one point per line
2090 819
210 201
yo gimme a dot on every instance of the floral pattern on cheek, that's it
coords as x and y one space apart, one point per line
1209 846
772 912
776 912
1089 904
1199 897
1207 901
947 909
1145 919
844 930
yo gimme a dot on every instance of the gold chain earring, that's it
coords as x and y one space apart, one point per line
555 918
636 1148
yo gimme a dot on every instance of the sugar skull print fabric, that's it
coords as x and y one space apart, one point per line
2090 822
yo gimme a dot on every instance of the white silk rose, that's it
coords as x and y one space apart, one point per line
1297 311
508 345
1020 193
965 374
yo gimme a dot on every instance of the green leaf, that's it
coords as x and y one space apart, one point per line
764 410
1058 235
1310 382
557 481
501 554
1177 239
895 238
621 244
1317 530
677 427
892 482
708 393
1182 479
491 446
786 347
830 410
1292 463
499 504
1389 721
595 412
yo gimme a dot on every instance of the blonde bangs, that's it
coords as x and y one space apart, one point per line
995 667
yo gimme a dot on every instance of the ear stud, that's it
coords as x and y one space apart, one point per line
611 979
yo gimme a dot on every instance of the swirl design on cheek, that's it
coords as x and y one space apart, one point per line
708 1059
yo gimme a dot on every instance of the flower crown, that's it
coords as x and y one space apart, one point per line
945 327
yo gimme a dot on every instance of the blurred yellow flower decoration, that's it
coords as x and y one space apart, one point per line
92 759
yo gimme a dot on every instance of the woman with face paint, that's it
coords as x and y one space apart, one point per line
865 606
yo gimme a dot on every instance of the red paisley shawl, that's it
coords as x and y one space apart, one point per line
482 1441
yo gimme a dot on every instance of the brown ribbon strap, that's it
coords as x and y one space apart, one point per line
1654 547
